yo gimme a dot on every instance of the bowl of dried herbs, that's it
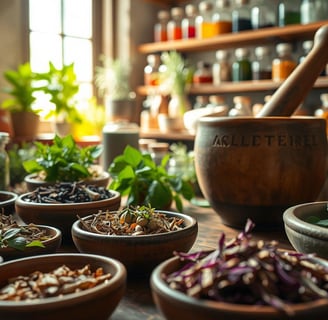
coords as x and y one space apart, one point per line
241 279
140 237
24 240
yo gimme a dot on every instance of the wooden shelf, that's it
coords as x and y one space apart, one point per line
240 39
235 87
156 134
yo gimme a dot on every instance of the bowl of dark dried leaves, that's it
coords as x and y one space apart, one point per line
140 237
242 279
17 241
306 226
61 286
58 205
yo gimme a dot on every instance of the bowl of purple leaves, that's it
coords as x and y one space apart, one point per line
242 279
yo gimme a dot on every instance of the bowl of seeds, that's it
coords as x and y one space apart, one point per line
61 286
241 279
58 205
18 241
139 237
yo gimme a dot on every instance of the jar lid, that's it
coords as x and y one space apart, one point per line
242 99
222 4
262 51
284 48
222 54
121 127
205 6
4 137
241 52
163 15
217 99
177 12
307 45
191 10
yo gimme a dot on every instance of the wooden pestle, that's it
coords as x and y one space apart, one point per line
294 89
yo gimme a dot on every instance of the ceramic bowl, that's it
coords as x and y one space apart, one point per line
307 237
7 202
62 215
258 167
139 254
50 246
177 305
96 303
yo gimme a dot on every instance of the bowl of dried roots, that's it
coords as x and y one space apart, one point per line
140 237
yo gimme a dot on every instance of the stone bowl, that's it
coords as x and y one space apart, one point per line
63 215
140 254
177 305
7 202
50 246
258 167
305 236
98 302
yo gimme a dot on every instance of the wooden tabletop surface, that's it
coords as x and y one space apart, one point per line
137 303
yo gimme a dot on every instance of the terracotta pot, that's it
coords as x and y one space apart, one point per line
25 124
257 167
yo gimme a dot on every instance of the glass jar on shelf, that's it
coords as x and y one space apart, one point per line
203 73
289 12
242 107
174 26
222 67
241 67
222 16
205 27
4 162
313 10
151 70
262 65
201 101
160 28
284 64
189 22
241 16
263 14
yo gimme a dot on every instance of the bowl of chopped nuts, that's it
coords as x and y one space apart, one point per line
61 286
139 237
242 279
18 241
58 205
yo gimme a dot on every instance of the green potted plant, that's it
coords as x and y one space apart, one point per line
64 161
113 82
62 87
137 176
23 86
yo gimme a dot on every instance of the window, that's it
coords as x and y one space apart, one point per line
65 31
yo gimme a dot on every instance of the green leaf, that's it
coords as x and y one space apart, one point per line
18 243
35 243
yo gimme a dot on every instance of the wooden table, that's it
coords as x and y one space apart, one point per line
137 303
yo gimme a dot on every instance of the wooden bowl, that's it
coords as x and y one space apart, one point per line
50 246
63 215
98 302
177 305
7 202
258 167
306 237
33 182
140 254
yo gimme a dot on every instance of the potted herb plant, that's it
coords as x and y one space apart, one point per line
62 87
137 176
23 86
113 83
64 161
